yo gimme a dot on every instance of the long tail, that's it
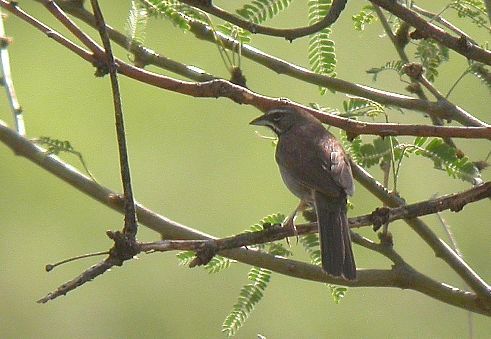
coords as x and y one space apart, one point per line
334 236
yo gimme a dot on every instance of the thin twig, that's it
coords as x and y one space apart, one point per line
8 83
130 224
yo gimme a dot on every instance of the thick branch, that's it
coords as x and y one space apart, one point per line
406 279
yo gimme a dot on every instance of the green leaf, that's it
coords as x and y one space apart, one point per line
258 11
358 106
176 12
480 71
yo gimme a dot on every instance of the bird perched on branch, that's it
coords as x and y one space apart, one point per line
315 168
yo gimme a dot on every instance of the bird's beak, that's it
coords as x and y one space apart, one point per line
259 121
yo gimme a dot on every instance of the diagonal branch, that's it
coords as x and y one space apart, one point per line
461 45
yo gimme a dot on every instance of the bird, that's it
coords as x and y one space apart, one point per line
316 169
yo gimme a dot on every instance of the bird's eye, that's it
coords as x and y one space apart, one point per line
277 119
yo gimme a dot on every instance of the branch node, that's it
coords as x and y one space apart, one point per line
204 254
379 217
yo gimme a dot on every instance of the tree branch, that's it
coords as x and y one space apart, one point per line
280 66
221 88
461 45
7 81
404 277
289 34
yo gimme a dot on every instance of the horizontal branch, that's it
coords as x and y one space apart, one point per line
442 110
406 279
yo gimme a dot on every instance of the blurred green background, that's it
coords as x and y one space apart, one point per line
197 161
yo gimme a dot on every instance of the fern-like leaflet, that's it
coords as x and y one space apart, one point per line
473 10
394 65
258 11
364 17
56 146
322 56
136 24
431 54
310 243
444 157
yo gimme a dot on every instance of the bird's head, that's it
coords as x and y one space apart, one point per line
280 120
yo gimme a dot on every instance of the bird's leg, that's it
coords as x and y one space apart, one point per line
290 221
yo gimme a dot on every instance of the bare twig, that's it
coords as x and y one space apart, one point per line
130 224
289 34
8 83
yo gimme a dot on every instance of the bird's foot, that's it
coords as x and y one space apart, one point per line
289 224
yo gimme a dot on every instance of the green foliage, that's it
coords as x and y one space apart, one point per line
322 56
259 11
310 243
249 296
176 12
357 106
252 293
431 54
363 18
235 32
136 23
473 10
480 71
56 146
394 65
216 264
444 157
